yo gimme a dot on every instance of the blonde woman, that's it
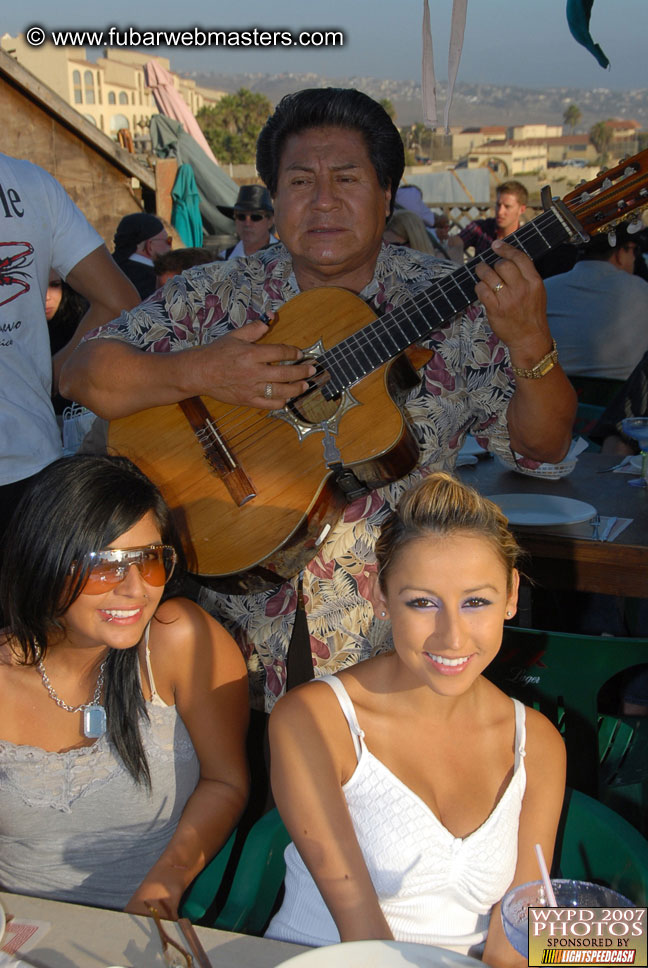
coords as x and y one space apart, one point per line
407 228
413 788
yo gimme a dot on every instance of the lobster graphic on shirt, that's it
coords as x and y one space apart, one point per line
13 269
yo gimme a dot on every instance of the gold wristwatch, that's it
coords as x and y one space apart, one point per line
541 369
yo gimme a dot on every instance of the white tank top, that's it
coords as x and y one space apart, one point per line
433 887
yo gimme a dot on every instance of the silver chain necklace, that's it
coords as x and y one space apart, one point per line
94 714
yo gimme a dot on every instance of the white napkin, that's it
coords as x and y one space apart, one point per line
578 445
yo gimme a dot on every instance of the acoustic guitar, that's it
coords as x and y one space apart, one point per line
255 492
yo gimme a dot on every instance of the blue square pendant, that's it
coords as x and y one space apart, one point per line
94 721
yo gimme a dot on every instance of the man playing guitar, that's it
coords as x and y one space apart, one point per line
332 161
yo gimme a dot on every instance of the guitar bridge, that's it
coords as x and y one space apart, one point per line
216 451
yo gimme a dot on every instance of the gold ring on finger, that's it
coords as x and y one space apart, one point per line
500 285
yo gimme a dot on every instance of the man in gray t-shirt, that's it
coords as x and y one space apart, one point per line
41 229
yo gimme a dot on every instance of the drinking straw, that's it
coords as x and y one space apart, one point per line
546 880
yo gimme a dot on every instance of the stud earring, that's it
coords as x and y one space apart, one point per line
383 613
508 614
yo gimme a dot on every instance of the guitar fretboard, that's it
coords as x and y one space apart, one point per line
381 340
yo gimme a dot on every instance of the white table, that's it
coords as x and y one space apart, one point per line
85 937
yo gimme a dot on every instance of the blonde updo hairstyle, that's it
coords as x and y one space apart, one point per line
442 505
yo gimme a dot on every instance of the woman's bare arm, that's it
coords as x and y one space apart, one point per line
312 755
205 668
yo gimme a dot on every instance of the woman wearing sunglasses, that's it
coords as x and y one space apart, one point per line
124 710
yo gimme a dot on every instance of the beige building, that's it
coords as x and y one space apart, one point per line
521 132
510 158
570 148
110 93
466 139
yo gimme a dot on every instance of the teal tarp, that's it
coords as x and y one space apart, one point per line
185 216
170 140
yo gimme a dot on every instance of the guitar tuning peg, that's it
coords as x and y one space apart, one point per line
611 236
630 170
635 226
585 197
643 192
581 182
621 203
606 184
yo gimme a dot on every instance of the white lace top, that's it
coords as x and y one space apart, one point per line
75 826
433 888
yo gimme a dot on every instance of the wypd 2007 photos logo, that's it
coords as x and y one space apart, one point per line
587 936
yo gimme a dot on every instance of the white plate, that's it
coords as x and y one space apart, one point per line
381 954
535 510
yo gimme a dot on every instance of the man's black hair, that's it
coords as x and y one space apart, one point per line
333 107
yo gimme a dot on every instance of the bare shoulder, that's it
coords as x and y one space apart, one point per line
317 700
310 714
182 631
312 701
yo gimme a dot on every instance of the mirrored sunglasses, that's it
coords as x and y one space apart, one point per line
253 216
110 567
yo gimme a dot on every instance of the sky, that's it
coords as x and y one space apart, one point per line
522 42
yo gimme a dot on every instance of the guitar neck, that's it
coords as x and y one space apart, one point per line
380 341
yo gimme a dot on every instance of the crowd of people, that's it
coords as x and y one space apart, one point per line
128 689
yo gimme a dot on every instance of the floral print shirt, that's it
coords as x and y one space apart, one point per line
466 386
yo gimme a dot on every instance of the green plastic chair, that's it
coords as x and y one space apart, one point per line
258 879
255 885
207 884
561 674
596 844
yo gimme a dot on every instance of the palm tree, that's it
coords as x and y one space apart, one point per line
600 134
571 116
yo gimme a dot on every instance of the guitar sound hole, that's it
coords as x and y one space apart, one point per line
312 408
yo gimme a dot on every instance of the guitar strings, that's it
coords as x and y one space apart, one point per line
448 284
243 426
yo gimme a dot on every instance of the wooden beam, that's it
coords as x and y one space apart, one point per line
13 73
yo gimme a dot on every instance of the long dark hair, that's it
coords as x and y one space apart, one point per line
63 324
74 506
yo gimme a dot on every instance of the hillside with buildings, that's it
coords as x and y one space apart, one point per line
472 103
496 132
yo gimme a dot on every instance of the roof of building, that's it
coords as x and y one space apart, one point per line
51 103
488 129
621 124
569 139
